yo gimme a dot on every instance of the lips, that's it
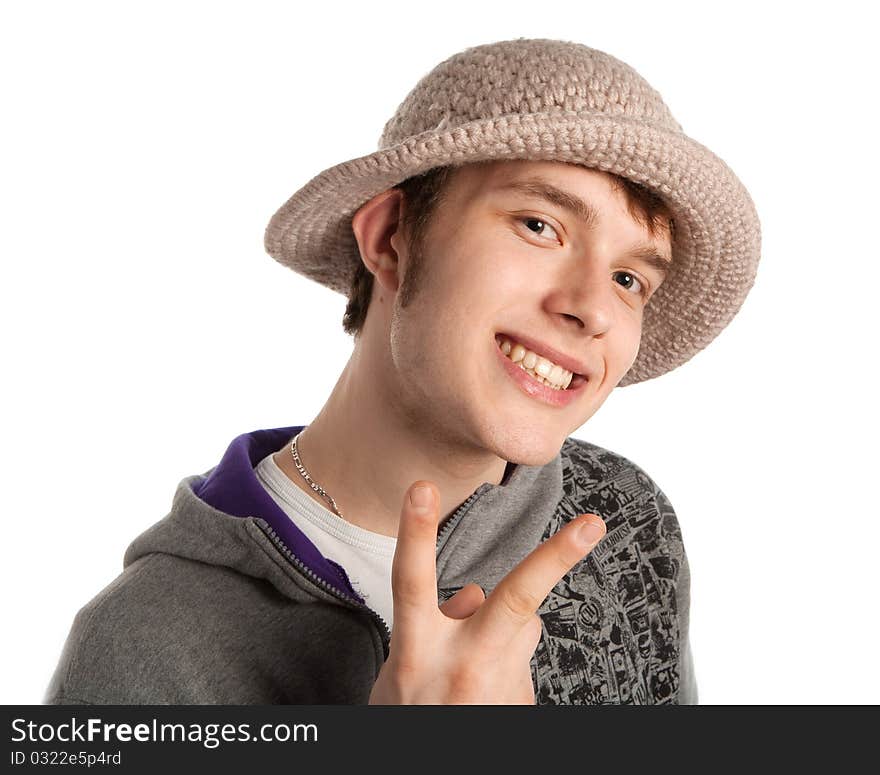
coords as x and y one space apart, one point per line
531 387
580 369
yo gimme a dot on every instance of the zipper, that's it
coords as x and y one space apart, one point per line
350 601
459 512
341 594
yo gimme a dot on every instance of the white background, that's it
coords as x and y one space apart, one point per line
144 148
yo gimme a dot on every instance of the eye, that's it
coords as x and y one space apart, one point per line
643 286
532 221
537 225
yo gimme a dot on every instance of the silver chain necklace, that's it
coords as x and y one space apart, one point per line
314 485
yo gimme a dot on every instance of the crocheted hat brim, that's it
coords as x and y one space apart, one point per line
717 230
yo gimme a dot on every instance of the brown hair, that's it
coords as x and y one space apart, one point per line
423 193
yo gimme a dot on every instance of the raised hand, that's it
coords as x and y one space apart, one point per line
472 649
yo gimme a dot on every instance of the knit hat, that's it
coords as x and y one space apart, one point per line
549 100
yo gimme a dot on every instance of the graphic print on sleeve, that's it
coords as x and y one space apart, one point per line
611 632
611 627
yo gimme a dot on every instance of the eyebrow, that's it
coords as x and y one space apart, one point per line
584 211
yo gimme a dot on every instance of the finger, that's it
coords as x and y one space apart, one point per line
527 690
521 681
464 602
522 648
517 597
414 567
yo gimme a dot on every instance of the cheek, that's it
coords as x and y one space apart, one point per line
629 345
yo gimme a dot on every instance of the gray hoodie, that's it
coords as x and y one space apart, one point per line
226 601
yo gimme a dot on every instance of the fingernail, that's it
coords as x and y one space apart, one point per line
590 533
421 497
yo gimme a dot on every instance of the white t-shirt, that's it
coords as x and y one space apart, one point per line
366 556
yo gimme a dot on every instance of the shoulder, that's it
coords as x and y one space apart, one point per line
607 483
588 463
130 643
596 464
172 630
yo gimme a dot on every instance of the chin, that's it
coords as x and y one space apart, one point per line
528 449
535 459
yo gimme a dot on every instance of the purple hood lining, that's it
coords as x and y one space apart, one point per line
233 488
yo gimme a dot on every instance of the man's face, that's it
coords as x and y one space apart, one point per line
500 262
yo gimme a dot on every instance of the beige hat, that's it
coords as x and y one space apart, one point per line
549 100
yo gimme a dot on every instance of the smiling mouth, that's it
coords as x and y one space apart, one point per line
541 369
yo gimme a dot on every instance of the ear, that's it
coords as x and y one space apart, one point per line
376 228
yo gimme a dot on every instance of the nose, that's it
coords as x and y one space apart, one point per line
585 304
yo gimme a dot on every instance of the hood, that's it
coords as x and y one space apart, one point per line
481 541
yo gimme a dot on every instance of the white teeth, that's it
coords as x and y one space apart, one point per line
539 378
544 367
546 372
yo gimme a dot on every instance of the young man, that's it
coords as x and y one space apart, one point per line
534 231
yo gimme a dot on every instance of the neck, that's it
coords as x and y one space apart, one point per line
365 448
